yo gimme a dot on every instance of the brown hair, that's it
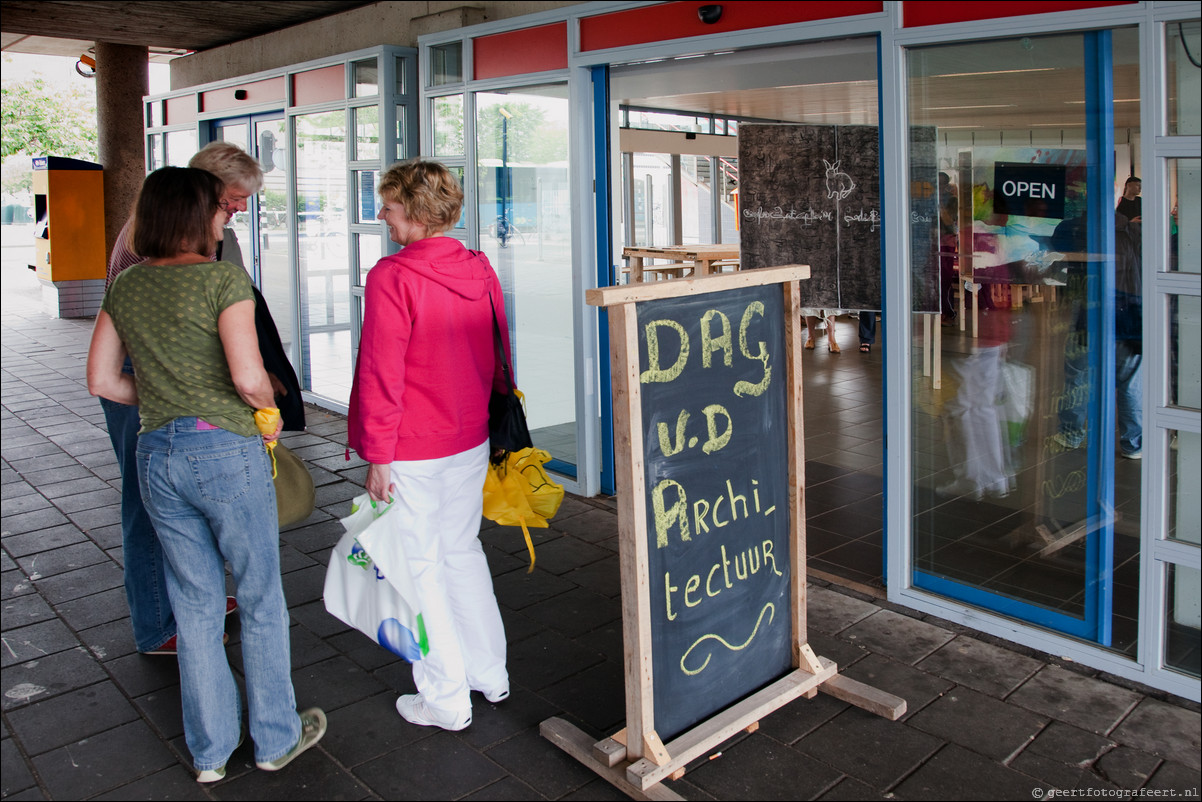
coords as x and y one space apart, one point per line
174 213
429 192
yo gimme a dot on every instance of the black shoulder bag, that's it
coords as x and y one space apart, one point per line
507 430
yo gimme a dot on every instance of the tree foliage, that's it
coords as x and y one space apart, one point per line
44 120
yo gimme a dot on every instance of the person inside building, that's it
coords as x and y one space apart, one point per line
207 409
419 414
145 578
1131 205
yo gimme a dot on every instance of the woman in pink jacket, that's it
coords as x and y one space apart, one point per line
419 414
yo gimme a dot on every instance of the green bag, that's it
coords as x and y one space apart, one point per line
295 495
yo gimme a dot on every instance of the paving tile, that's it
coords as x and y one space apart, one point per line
35 680
110 640
140 674
99 608
1163 729
42 540
898 636
305 585
312 775
15 775
958 774
800 717
566 554
918 688
93 765
844 653
959 717
850 789
592 525
830 611
367 729
868 747
1082 701
36 641
536 761
509 788
1127 767
600 577
981 666
1071 745
64 487
332 684
493 723
1171 776
176 782
106 497
518 590
575 612
81 582
163 709
18 504
98 517
21 611
64 719
440 766
33 521
1056 774
58 561
759 768
595 696
314 617
547 658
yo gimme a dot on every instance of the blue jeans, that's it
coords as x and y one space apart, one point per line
145 567
210 495
1128 394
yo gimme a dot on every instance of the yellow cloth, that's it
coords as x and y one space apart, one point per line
267 420
518 492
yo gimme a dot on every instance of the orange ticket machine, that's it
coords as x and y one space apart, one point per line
69 247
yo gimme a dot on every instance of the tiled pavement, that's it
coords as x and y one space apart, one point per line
85 717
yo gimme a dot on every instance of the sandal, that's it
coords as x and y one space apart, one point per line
833 347
809 343
865 348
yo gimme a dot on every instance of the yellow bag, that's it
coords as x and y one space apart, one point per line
518 492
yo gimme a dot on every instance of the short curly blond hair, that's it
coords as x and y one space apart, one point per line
236 168
428 191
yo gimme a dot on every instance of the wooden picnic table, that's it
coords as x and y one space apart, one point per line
701 260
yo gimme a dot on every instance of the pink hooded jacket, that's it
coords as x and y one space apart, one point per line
427 356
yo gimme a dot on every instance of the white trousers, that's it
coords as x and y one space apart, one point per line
441 501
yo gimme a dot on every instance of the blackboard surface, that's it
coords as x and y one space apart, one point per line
713 382
924 222
810 194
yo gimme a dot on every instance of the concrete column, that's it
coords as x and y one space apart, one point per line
122 79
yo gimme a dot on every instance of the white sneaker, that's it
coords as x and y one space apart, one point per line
413 708
496 696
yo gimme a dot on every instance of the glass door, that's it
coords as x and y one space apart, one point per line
1027 427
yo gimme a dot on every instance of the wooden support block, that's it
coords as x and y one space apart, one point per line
808 660
752 727
811 693
653 749
620 736
865 697
609 752
676 775
578 744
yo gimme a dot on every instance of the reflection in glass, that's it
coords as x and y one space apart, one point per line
367 132
525 229
1183 646
323 256
1185 215
275 225
1185 477
1185 331
446 64
1183 44
448 125
367 78
1023 501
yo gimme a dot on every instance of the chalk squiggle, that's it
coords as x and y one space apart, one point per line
769 609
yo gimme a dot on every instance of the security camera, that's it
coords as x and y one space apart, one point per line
709 14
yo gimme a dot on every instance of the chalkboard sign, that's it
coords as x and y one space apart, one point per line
713 380
810 194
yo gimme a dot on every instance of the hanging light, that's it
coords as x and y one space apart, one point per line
86 66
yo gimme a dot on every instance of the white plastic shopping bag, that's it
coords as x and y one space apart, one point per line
373 590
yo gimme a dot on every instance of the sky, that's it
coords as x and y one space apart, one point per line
60 70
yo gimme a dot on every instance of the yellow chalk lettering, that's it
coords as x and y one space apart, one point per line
700 508
709 343
690 586
726 567
768 555
667 517
665 445
709 591
668 588
730 491
744 387
716 441
717 503
754 560
654 373
755 493
741 573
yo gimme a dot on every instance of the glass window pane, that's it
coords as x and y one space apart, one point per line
1185 476
663 121
1182 641
367 132
400 75
323 256
368 246
154 113
446 64
181 146
367 78
365 206
448 125
525 229
1019 429
154 151
1183 44
1185 337
1185 215
401 152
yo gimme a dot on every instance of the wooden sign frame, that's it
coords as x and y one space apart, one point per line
636 759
